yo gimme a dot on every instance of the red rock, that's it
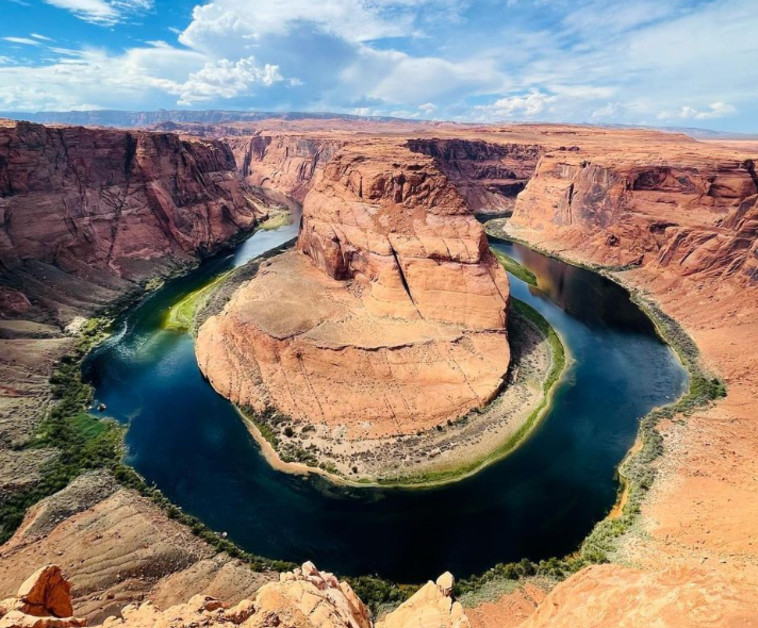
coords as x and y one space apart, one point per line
396 322
91 211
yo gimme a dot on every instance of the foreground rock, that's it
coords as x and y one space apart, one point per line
118 548
303 598
42 601
390 318
430 607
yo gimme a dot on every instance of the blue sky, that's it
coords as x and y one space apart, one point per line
667 63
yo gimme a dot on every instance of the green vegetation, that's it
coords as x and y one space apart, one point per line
637 471
275 221
181 316
380 594
83 441
558 363
514 268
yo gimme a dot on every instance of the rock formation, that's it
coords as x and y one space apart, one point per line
430 607
284 163
87 213
303 598
389 318
488 175
42 601
695 214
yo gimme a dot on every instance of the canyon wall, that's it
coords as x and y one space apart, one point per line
87 213
695 213
389 318
488 175
284 163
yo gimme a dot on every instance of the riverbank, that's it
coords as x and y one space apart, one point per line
670 499
636 471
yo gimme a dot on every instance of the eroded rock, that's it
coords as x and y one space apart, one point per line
389 318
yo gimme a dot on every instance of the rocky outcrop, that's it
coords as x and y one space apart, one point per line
488 175
42 601
303 598
87 213
430 607
389 318
692 214
119 548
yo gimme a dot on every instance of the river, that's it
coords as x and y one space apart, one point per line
538 502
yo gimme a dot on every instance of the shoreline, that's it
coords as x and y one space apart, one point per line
559 363
636 470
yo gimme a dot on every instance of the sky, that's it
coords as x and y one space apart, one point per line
684 63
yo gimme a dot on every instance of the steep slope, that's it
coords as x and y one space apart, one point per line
488 175
283 163
86 214
692 214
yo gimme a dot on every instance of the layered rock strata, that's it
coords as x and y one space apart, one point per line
692 215
85 214
389 318
488 175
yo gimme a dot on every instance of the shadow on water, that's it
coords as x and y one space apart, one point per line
538 502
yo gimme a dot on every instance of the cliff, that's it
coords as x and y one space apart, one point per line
85 214
695 213
390 318
488 175
284 163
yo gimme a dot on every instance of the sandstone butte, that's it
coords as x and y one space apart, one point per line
389 318
680 215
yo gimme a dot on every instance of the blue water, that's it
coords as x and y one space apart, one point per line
538 502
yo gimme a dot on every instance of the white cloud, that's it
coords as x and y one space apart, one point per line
40 37
225 79
352 20
96 78
102 12
427 108
22 40
714 110
530 105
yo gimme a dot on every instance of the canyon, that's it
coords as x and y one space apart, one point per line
89 215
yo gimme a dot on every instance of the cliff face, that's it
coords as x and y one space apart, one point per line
694 214
406 233
284 163
488 175
85 213
389 318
